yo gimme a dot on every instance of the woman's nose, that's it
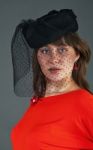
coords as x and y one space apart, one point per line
54 57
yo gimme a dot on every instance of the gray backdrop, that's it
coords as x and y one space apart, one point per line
12 107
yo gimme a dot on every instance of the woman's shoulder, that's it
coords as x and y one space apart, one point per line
86 101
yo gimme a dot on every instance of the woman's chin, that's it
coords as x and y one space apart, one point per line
55 79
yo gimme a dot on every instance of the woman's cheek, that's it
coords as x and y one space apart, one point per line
43 65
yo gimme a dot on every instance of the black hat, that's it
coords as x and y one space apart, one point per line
49 27
31 34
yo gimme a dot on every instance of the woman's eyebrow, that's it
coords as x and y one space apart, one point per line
63 46
46 46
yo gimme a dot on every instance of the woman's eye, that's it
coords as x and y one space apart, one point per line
44 50
62 49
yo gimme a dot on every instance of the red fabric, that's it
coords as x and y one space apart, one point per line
60 122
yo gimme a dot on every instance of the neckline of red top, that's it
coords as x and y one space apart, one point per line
74 93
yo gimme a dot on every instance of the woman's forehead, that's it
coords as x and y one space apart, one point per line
54 45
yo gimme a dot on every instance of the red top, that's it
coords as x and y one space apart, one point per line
60 122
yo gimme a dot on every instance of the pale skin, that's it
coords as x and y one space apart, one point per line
62 57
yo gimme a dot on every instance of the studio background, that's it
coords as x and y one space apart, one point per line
12 12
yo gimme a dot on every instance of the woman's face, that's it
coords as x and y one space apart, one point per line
62 58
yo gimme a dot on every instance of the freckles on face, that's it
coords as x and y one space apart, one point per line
64 60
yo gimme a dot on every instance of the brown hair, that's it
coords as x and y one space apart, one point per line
81 47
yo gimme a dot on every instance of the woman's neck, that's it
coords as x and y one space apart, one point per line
63 86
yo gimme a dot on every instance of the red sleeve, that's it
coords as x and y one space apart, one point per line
88 119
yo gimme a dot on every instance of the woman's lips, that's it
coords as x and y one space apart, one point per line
54 70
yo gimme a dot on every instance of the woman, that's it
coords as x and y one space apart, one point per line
60 116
